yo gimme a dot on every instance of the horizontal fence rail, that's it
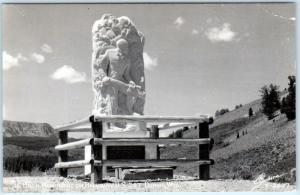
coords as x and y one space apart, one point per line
141 141
75 145
98 162
150 119
134 163
184 120
129 141
73 164
151 162
73 124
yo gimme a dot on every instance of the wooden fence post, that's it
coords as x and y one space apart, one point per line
62 154
96 171
203 151
154 134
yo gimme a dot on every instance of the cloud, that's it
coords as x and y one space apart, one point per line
150 62
179 22
69 75
10 61
46 48
38 58
195 32
292 18
222 33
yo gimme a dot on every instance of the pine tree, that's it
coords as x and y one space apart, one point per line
289 103
270 100
283 106
250 112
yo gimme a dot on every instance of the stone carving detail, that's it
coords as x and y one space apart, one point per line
117 67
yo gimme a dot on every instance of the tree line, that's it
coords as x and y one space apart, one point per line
271 102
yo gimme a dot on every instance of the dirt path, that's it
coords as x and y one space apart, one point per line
59 184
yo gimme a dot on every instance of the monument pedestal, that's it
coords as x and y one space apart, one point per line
143 173
144 151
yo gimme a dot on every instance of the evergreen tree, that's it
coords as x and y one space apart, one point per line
270 100
283 106
250 112
289 103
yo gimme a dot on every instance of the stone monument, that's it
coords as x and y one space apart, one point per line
118 81
118 70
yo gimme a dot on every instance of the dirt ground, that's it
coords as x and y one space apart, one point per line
59 184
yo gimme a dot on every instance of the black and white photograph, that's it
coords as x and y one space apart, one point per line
149 97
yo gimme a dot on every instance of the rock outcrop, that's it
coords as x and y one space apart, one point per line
16 128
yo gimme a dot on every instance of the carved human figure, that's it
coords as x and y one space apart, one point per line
113 68
117 67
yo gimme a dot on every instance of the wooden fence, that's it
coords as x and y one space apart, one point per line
99 144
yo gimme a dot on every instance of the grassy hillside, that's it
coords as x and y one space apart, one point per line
241 112
268 146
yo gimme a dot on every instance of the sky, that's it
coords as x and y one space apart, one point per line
198 57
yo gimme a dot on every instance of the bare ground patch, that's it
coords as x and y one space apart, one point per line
59 184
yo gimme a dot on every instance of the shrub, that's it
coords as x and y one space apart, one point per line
221 112
246 174
238 106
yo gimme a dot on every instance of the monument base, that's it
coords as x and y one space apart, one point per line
133 130
143 173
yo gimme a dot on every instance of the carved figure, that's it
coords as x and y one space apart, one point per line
117 67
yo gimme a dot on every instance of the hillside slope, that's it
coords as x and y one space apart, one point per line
243 111
263 146
16 128
268 148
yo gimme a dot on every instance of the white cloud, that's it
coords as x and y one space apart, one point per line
179 22
69 75
195 32
38 58
10 61
150 62
46 48
292 18
222 33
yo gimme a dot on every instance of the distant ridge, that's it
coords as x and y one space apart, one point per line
17 128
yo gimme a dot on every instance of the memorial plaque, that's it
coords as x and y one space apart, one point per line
125 152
